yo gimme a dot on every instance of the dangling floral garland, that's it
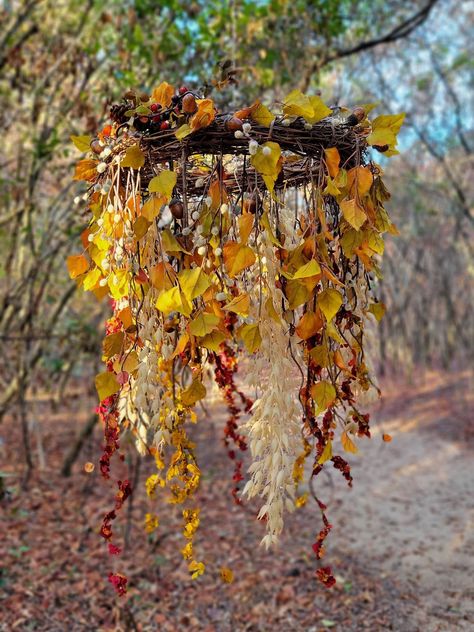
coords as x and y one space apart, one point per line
219 236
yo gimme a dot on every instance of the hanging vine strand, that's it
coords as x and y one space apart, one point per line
220 236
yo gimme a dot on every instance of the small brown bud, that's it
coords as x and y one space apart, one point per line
232 124
176 208
189 104
96 147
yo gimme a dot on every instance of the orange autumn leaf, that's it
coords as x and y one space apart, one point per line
332 161
77 265
309 325
237 257
205 114
86 170
387 438
163 94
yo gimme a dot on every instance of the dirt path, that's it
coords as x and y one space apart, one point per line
401 548
411 511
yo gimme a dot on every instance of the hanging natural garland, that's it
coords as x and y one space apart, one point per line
222 235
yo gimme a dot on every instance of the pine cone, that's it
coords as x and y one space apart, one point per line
117 112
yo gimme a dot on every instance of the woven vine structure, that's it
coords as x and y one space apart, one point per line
227 237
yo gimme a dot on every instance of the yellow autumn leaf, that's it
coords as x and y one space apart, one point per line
195 391
321 356
297 104
91 279
239 305
324 394
359 180
203 324
377 309
152 207
227 575
106 384
312 268
163 183
193 283
112 344
183 131
326 454
333 160
131 362
212 341
163 94
77 265
353 213
261 114
133 158
173 301
170 243
237 257
348 444
309 325
141 226
265 222
82 143
204 115
296 293
320 110
162 276
331 188
329 301
250 335
385 129
246 222
271 311
267 162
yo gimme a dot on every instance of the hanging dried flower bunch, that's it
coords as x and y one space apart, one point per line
219 236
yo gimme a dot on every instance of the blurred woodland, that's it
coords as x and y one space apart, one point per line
63 63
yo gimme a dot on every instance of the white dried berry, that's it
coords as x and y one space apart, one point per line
202 251
253 147
286 122
195 215
246 128
215 230
238 134
224 208
77 200
101 167
199 183
266 151
221 296
218 251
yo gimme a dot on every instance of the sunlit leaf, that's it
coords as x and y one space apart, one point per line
298 104
262 115
320 110
106 384
77 265
212 341
237 257
246 222
205 114
152 207
163 94
297 293
227 575
112 344
193 283
141 226
312 268
385 129
170 243
183 131
267 162
173 301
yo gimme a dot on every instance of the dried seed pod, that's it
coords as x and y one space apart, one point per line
189 103
176 208
232 124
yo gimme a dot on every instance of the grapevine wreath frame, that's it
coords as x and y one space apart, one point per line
218 235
